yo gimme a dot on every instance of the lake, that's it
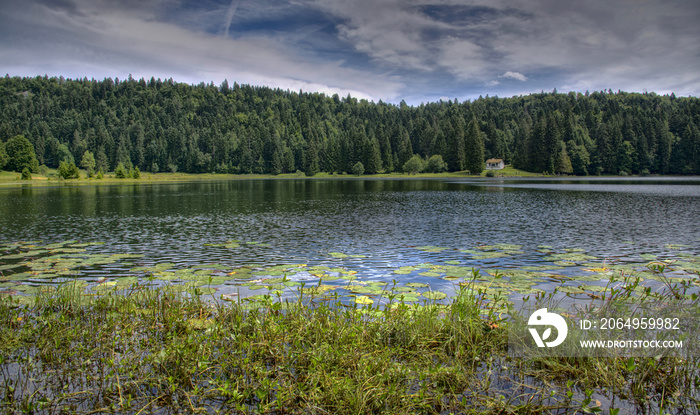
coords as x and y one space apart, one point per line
246 238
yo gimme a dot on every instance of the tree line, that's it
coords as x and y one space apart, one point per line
159 125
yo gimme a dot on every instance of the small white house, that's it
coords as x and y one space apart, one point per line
495 164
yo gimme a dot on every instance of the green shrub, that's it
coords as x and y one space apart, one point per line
358 169
436 164
68 170
120 172
26 174
136 173
88 163
413 165
19 153
490 173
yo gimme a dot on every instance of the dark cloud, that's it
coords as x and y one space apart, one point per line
379 49
67 6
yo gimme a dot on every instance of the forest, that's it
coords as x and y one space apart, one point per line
163 126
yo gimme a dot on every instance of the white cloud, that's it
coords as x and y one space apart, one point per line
598 43
439 47
514 75
117 44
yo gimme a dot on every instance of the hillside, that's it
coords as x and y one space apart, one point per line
160 125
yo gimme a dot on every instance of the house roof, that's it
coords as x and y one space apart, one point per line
494 161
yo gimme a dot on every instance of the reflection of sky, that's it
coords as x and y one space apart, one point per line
676 188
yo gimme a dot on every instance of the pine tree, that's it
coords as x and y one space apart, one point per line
474 148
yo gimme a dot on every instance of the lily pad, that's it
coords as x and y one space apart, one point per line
417 285
434 295
199 323
364 300
229 297
431 248
407 297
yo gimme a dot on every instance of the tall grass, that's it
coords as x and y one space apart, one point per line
156 351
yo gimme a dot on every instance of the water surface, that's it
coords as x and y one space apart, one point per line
381 225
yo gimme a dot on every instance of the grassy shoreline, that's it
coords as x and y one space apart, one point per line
51 179
147 350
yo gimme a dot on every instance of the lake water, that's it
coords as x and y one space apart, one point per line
247 234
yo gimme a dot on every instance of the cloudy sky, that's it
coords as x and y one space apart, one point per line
415 50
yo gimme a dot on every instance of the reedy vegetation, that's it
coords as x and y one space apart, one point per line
161 126
146 350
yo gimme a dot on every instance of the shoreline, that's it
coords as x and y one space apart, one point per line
155 178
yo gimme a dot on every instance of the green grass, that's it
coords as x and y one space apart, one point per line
52 177
144 350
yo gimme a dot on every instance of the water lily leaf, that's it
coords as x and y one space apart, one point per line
590 287
163 266
565 263
25 300
8 284
431 248
363 289
229 297
363 299
402 271
408 297
108 285
453 262
572 257
167 276
318 289
18 277
199 323
10 266
127 281
434 295
338 255
403 289
203 290
429 274
417 285
676 246
570 289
